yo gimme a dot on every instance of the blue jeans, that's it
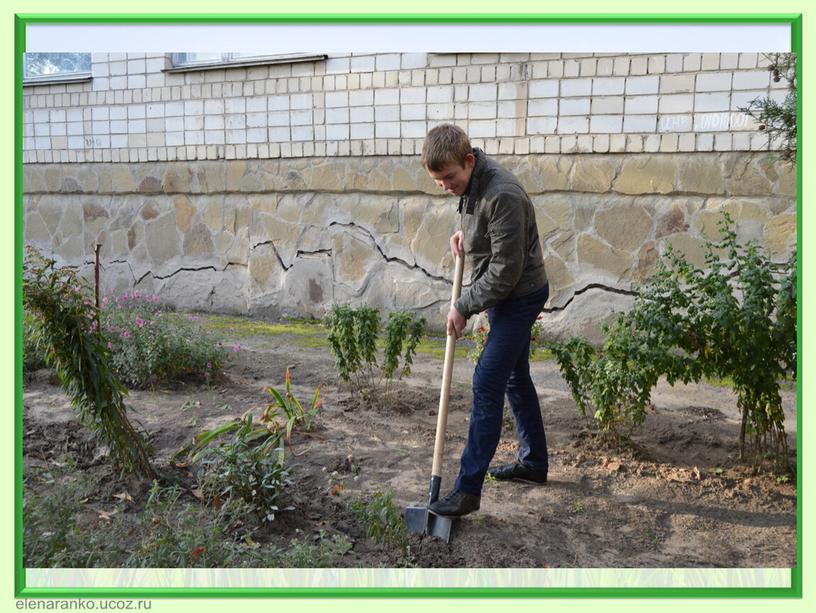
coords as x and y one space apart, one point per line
504 367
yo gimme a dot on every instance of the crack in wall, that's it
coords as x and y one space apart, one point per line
391 259
175 272
586 288
315 252
275 251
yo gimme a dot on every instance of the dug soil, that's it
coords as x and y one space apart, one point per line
677 497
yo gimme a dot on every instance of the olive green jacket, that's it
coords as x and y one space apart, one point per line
501 238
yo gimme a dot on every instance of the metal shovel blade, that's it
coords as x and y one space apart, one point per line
415 519
420 520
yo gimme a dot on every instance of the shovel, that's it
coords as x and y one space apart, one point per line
422 519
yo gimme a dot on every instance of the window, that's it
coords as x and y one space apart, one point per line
202 61
50 67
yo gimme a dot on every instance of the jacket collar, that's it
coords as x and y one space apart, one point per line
473 190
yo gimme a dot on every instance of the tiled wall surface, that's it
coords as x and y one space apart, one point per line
134 110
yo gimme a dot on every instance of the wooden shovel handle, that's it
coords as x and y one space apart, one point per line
447 372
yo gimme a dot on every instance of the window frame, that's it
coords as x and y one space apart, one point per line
259 60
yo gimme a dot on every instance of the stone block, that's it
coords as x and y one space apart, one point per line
198 242
35 231
430 244
162 241
625 226
605 261
780 235
184 212
355 259
747 176
308 286
558 275
646 175
593 173
701 173
265 270
692 248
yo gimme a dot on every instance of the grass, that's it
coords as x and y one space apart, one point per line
313 334
65 527
322 551
304 333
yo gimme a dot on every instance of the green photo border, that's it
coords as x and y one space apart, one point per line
20 588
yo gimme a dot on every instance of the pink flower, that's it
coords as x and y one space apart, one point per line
136 294
110 345
236 347
209 365
140 322
125 296
105 301
126 334
155 299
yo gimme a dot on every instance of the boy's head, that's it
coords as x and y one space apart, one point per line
448 158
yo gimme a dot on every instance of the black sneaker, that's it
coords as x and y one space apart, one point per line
456 503
518 472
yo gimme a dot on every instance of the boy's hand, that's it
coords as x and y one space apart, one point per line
456 322
457 245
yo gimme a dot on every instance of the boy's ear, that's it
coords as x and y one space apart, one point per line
470 161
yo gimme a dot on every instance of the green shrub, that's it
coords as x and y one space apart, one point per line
149 345
734 321
353 339
249 468
382 520
33 352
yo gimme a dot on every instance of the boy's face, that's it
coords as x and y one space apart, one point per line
454 178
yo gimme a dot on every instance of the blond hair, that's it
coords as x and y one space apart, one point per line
445 144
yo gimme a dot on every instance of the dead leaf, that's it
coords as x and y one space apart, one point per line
217 502
336 489
106 515
196 493
124 496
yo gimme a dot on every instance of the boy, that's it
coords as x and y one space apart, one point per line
500 236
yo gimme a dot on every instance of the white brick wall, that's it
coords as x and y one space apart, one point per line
384 104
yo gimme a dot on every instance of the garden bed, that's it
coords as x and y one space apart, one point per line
678 497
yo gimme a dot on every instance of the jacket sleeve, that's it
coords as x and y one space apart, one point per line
507 247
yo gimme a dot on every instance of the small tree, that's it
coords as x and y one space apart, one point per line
65 325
